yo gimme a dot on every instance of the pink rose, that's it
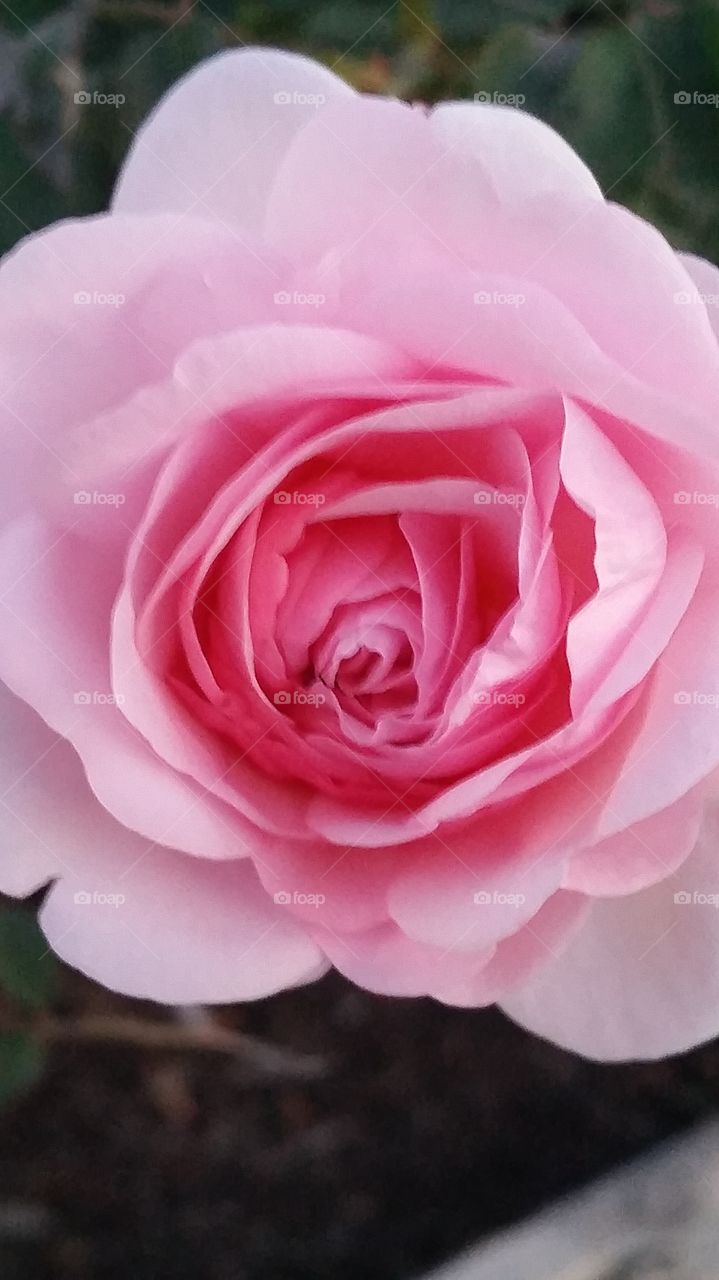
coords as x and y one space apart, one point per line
360 570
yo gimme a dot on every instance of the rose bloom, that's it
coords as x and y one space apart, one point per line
360 572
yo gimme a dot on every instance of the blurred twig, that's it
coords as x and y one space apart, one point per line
206 1036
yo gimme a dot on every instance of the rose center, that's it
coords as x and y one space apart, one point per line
368 662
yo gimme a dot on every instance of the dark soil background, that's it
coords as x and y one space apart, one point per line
429 1127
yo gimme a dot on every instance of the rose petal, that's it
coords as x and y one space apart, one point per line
178 930
516 156
641 855
215 142
641 978
54 653
102 307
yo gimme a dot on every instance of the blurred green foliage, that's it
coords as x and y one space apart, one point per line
605 73
27 970
27 984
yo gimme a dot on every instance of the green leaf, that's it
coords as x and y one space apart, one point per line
27 971
21 1064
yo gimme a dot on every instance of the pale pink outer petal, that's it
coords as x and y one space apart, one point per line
385 162
705 276
517 155
446 901
184 930
678 743
427 304
373 157
49 820
641 978
641 855
384 960
54 653
215 142
408 192
92 310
